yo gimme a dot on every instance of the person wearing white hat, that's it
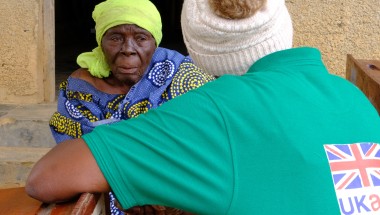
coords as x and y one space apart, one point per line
274 134
234 42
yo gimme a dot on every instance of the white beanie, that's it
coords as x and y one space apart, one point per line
230 46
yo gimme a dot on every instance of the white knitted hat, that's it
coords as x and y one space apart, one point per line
230 46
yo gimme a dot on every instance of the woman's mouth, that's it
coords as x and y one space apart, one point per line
128 70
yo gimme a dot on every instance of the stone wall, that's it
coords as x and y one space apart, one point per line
19 60
337 28
23 58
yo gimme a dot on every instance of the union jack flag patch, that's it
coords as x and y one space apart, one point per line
355 170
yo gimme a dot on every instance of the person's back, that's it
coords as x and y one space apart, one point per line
280 120
260 147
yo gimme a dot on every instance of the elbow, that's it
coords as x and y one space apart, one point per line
37 188
32 190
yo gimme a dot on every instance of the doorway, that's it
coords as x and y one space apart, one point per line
74 31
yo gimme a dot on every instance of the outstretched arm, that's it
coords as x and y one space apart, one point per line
64 172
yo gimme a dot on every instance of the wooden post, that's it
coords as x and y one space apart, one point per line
48 45
365 74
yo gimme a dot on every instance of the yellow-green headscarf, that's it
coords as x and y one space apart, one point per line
111 13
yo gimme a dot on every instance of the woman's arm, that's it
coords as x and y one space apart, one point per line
64 172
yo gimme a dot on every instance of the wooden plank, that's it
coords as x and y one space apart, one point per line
64 208
86 204
365 74
15 201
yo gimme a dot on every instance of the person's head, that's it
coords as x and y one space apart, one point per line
127 33
228 36
128 50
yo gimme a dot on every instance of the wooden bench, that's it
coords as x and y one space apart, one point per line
365 74
15 201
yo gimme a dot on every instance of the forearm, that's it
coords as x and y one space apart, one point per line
64 172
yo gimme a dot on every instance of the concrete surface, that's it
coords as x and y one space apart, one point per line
24 138
16 163
26 125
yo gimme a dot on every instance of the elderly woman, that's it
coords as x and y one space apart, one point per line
126 75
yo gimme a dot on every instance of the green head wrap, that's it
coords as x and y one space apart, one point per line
111 13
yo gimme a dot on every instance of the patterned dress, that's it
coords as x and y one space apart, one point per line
81 107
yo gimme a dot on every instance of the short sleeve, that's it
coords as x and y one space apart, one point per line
169 156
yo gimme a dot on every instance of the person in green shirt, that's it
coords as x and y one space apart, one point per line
276 133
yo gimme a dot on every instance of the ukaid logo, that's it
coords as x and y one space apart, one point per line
355 169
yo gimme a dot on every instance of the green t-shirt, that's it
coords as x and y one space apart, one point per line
251 144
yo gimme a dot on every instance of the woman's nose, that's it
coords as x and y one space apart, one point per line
128 48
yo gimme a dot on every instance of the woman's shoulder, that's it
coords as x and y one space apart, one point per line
82 81
166 50
188 77
164 54
74 79
85 81
83 74
189 72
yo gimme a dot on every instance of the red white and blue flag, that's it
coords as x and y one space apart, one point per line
355 170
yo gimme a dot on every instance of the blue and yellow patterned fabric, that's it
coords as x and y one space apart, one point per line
81 107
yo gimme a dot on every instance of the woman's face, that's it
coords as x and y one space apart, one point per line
128 50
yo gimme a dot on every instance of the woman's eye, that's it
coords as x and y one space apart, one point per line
141 38
115 38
